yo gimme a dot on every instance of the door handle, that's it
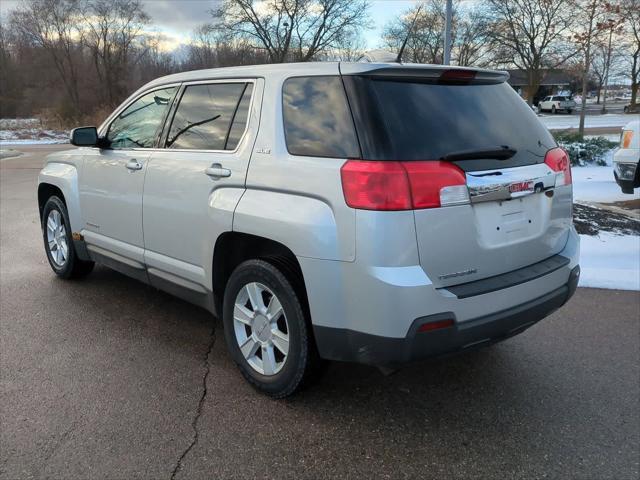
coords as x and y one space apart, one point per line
133 164
216 171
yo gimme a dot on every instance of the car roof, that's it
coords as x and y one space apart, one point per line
313 69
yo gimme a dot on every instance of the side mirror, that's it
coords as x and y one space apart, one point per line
84 137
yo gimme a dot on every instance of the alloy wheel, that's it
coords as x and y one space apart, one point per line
57 238
261 328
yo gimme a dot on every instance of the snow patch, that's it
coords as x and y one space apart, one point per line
33 141
597 184
28 131
562 121
610 261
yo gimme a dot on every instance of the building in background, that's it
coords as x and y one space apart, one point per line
554 81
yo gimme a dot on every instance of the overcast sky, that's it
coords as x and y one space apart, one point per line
178 18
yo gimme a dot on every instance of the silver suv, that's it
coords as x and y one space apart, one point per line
373 213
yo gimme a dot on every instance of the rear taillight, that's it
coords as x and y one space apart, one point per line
625 139
434 184
384 185
558 161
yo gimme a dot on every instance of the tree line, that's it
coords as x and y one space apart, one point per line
76 59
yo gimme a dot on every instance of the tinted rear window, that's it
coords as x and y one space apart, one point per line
317 120
406 120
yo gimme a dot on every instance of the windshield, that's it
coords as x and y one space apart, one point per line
407 120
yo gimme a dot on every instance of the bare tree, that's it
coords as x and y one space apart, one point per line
53 25
593 19
211 48
114 35
293 30
352 48
425 43
201 51
154 61
10 91
630 10
606 60
473 41
532 36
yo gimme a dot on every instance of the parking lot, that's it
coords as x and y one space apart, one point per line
109 378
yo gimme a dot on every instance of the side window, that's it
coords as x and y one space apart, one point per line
317 119
138 124
241 118
210 117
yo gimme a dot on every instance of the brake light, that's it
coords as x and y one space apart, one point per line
625 142
457 75
558 160
384 185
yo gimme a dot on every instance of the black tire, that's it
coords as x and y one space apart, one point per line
553 109
569 111
72 266
302 363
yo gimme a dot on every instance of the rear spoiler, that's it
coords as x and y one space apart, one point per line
432 73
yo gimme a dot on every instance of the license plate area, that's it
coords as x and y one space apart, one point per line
507 222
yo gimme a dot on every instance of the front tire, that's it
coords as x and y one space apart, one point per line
267 330
553 109
58 243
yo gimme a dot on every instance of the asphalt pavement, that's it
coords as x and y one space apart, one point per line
108 378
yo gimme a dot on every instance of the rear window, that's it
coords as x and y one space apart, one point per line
409 120
317 121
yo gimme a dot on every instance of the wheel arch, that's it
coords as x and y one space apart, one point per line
61 179
232 248
46 191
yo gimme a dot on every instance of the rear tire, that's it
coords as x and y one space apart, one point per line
266 328
569 111
58 243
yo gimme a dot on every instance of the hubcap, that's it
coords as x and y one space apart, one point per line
57 238
261 328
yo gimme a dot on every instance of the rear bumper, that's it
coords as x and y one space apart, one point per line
348 345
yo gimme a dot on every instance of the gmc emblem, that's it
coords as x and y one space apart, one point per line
521 187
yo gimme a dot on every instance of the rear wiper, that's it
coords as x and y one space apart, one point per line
503 152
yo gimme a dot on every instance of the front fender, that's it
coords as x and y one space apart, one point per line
65 177
305 225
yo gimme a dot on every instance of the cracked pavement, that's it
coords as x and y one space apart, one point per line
194 422
107 378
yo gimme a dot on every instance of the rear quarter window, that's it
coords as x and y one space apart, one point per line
317 120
